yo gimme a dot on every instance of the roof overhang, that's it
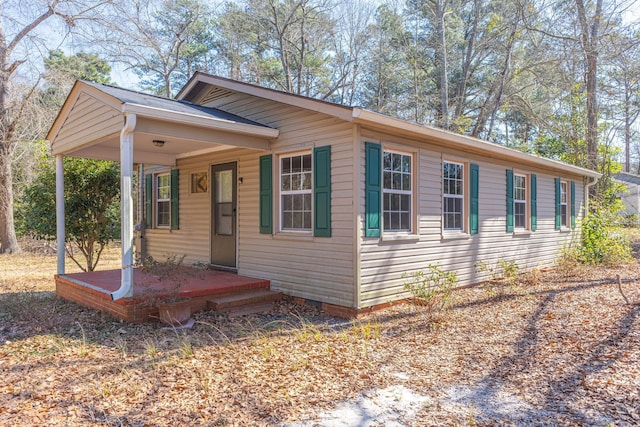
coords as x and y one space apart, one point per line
468 144
197 88
193 91
90 122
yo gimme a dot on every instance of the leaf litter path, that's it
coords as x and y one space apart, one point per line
554 351
559 351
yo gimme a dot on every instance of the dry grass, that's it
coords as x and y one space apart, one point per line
567 348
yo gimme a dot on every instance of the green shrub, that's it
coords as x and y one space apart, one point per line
506 270
92 207
602 243
431 288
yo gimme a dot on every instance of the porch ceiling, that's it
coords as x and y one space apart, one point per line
92 118
179 141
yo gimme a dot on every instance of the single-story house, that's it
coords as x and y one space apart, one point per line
327 202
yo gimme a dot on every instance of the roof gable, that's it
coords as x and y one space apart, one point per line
123 100
127 96
204 87
93 116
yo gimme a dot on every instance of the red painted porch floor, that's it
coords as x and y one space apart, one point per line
93 290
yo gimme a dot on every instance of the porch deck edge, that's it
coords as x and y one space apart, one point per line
136 309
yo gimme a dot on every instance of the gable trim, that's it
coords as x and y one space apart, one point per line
320 106
191 119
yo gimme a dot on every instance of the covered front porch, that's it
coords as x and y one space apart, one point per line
138 130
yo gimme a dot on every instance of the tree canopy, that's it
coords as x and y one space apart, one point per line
543 77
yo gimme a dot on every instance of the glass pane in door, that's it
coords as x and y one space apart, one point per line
224 202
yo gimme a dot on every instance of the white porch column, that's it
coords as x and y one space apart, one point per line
126 207
60 229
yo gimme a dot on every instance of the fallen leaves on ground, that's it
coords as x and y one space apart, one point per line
558 350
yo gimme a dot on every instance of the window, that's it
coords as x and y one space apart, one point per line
520 200
397 191
163 200
563 204
298 199
295 192
453 195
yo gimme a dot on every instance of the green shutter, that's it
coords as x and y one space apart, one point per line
509 200
148 200
373 189
473 203
175 208
558 219
573 205
534 202
266 197
322 191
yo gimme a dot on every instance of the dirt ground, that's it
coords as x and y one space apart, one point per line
552 349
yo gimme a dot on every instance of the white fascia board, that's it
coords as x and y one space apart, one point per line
192 119
462 141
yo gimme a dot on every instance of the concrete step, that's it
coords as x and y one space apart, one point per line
225 303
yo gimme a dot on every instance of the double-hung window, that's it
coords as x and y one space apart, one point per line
565 204
296 192
520 201
397 192
161 208
564 211
163 200
303 200
453 195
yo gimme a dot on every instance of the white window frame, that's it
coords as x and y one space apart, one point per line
282 193
386 191
461 197
524 201
564 201
158 200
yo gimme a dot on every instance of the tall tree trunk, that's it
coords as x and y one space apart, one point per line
627 130
589 36
441 58
466 65
485 111
8 240
503 76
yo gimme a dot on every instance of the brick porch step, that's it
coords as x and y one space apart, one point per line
245 302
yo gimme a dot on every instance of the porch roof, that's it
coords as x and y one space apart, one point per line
90 122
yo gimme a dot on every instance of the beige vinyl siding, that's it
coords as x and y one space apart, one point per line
384 262
90 119
192 238
316 268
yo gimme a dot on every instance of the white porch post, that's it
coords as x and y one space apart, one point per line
126 207
60 229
